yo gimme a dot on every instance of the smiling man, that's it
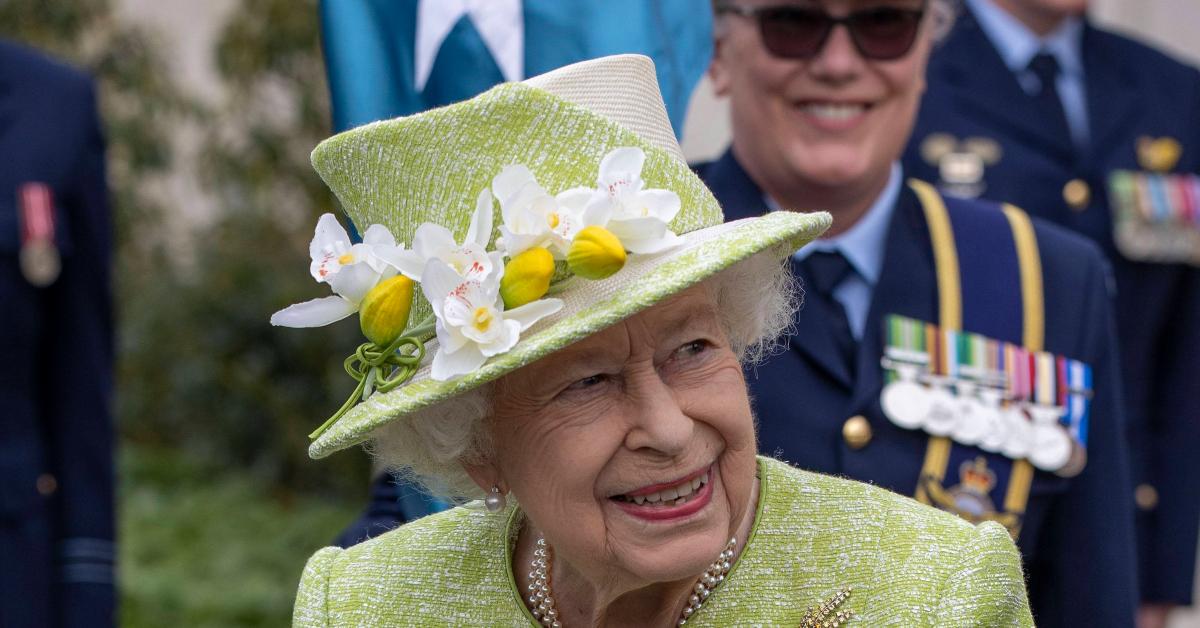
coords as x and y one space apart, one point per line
969 300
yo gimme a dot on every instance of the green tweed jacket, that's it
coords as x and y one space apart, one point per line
907 565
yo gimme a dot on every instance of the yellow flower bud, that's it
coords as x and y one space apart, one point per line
595 253
383 314
526 277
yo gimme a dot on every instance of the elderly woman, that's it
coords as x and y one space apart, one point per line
579 368
822 97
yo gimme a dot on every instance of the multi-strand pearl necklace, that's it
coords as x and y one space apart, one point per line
541 598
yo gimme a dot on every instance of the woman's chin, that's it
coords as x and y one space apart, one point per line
683 558
840 166
661 548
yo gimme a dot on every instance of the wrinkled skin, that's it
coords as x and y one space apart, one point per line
647 401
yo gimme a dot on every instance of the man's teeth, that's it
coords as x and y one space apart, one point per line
833 112
672 496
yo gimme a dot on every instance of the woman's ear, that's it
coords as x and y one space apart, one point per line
485 475
717 72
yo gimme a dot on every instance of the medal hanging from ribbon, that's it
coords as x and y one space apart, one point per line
1156 216
40 263
905 401
986 393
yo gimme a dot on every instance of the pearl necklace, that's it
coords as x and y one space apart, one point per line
541 598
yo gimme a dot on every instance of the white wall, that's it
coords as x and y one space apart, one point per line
1171 24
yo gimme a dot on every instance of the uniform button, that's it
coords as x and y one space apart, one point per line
857 432
46 484
1077 194
1146 497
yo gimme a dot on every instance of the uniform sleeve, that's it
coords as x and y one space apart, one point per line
1084 570
311 608
985 587
79 337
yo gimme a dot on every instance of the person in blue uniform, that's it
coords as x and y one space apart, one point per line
1029 102
56 433
822 98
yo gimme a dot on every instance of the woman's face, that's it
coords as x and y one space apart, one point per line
835 119
644 411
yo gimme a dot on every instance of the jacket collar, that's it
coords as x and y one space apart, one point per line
907 286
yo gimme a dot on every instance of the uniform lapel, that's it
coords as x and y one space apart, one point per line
740 198
969 65
907 286
8 105
1112 91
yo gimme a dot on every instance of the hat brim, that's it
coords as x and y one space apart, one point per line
590 306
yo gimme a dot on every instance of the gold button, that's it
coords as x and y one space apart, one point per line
46 485
1146 497
1077 194
857 432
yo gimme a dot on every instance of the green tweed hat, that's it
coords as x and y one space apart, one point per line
536 214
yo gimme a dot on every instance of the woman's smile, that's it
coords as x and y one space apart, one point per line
833 116
670 501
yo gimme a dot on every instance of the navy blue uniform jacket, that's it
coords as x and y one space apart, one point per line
1077 539
1132 91
56 476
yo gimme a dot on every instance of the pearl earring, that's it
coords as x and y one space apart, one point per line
495 501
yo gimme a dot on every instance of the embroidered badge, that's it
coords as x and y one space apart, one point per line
1158 154
827 614
960 164
975 483
971 497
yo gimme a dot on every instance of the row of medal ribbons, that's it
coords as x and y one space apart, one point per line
988 393
1156 217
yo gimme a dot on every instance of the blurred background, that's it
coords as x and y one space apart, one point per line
211 110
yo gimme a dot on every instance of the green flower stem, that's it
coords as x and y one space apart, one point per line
350 403
558 287
402 358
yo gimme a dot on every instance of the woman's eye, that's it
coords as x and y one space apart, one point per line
692 348
590 381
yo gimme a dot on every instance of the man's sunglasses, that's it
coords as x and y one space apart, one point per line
792 32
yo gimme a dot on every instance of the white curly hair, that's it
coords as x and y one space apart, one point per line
755 298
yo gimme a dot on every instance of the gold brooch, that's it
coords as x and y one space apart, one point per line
824 616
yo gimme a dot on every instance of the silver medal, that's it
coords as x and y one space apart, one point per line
904 401
943 411
972 423
1051 449
1020 433
997 427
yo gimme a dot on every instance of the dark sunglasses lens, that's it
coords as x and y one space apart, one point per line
793 33
885 33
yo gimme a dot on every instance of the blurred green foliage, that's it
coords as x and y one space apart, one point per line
219 504
206 548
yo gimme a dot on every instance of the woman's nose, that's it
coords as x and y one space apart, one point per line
656 420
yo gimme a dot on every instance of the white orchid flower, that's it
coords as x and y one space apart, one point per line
431 241
637 216
532 217
351 270
472 324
